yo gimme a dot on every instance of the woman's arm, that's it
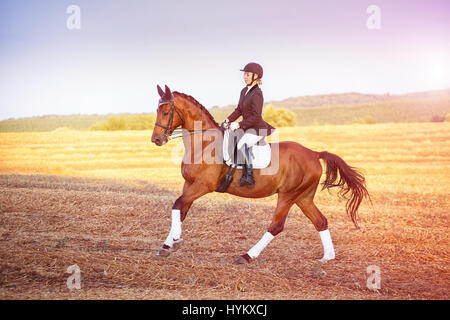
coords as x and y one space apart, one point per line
235 114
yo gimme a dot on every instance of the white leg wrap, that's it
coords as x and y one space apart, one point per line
175 229
328 249
257 248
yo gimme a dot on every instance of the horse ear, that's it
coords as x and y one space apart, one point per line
160 91
168 93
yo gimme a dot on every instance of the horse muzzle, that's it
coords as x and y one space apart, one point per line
159 141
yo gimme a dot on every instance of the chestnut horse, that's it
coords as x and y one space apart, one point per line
296 180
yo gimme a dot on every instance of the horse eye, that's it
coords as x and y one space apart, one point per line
165 113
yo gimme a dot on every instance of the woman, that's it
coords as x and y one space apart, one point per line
250 108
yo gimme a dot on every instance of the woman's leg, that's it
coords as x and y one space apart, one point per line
247 140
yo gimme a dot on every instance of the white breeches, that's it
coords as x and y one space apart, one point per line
250 139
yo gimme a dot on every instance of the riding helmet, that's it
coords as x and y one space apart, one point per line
255 68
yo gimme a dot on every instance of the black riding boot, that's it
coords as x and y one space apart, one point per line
247 171
244 175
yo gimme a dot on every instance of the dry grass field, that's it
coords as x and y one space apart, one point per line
102 201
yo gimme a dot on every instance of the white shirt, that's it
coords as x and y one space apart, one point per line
248 88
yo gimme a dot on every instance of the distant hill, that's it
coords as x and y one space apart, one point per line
319 109
346 99
351 107
353 98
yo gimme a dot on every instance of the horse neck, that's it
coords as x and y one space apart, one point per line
195 118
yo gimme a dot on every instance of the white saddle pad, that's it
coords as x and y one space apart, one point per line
260 154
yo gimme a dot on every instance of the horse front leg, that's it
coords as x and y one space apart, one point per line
180 208
174 240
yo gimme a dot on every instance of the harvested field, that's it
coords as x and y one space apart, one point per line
111 228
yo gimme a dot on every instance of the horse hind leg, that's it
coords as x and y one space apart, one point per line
306 204
285 202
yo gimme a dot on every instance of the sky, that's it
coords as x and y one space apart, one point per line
124 48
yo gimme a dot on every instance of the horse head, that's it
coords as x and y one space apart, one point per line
166 121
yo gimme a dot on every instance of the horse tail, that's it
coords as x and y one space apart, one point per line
350 180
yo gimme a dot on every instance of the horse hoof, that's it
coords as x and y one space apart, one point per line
245 258
177 244
163 252
326 259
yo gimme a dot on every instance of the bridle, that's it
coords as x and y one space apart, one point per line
168 129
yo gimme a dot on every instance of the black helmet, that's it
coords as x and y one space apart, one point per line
255 68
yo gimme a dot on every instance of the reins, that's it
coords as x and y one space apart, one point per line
178 133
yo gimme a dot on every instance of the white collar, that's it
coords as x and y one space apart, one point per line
248 88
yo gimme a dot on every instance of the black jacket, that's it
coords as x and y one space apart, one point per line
250 107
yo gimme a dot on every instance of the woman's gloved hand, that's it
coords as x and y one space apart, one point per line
234 126
226 123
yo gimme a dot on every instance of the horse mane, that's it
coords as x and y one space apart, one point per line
198 105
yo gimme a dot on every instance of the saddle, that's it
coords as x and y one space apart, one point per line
260 155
